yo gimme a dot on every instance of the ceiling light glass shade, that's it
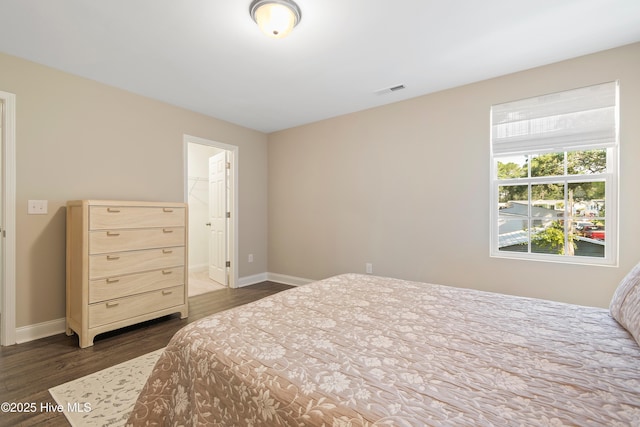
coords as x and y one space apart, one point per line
275 18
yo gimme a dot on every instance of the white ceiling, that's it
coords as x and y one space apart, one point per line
208 56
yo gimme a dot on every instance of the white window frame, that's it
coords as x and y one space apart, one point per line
538 146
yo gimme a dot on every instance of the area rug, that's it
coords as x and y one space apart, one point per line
105 398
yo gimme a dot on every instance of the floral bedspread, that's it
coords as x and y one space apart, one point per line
360 350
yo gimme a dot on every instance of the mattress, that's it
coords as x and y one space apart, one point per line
361 350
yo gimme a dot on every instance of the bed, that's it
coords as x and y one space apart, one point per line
361 350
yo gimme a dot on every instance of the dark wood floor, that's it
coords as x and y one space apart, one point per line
29 370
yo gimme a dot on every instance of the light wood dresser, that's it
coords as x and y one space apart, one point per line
126 263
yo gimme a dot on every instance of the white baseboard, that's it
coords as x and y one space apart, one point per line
40 330
198 268
288 280
273 277
252 280
58 326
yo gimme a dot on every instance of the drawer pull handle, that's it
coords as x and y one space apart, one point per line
112 233
112 280
112 257
167 210
167 230
113 210
167 251
167 292
167 272
111 304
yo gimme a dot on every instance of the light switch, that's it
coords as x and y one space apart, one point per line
38 207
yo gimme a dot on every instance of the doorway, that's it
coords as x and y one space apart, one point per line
211 192
7 218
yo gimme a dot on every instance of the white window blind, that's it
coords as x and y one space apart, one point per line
578 119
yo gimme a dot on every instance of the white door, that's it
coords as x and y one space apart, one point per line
218 218
1 217
8 219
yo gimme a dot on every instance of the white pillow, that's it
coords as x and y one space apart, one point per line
625 304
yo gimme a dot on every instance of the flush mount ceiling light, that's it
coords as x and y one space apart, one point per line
275 18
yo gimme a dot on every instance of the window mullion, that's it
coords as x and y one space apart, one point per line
568 216
529 216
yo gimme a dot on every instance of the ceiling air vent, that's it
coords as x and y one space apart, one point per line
389 89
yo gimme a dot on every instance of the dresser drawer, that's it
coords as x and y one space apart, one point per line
108 217
118 240
131 284
120 263
116 310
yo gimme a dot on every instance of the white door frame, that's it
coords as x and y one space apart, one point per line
8 320
233 204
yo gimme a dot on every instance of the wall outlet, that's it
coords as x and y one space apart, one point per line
368 267
38 207
250 257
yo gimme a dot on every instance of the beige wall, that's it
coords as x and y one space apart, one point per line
80 139
406 187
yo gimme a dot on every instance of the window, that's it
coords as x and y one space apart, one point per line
554 177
